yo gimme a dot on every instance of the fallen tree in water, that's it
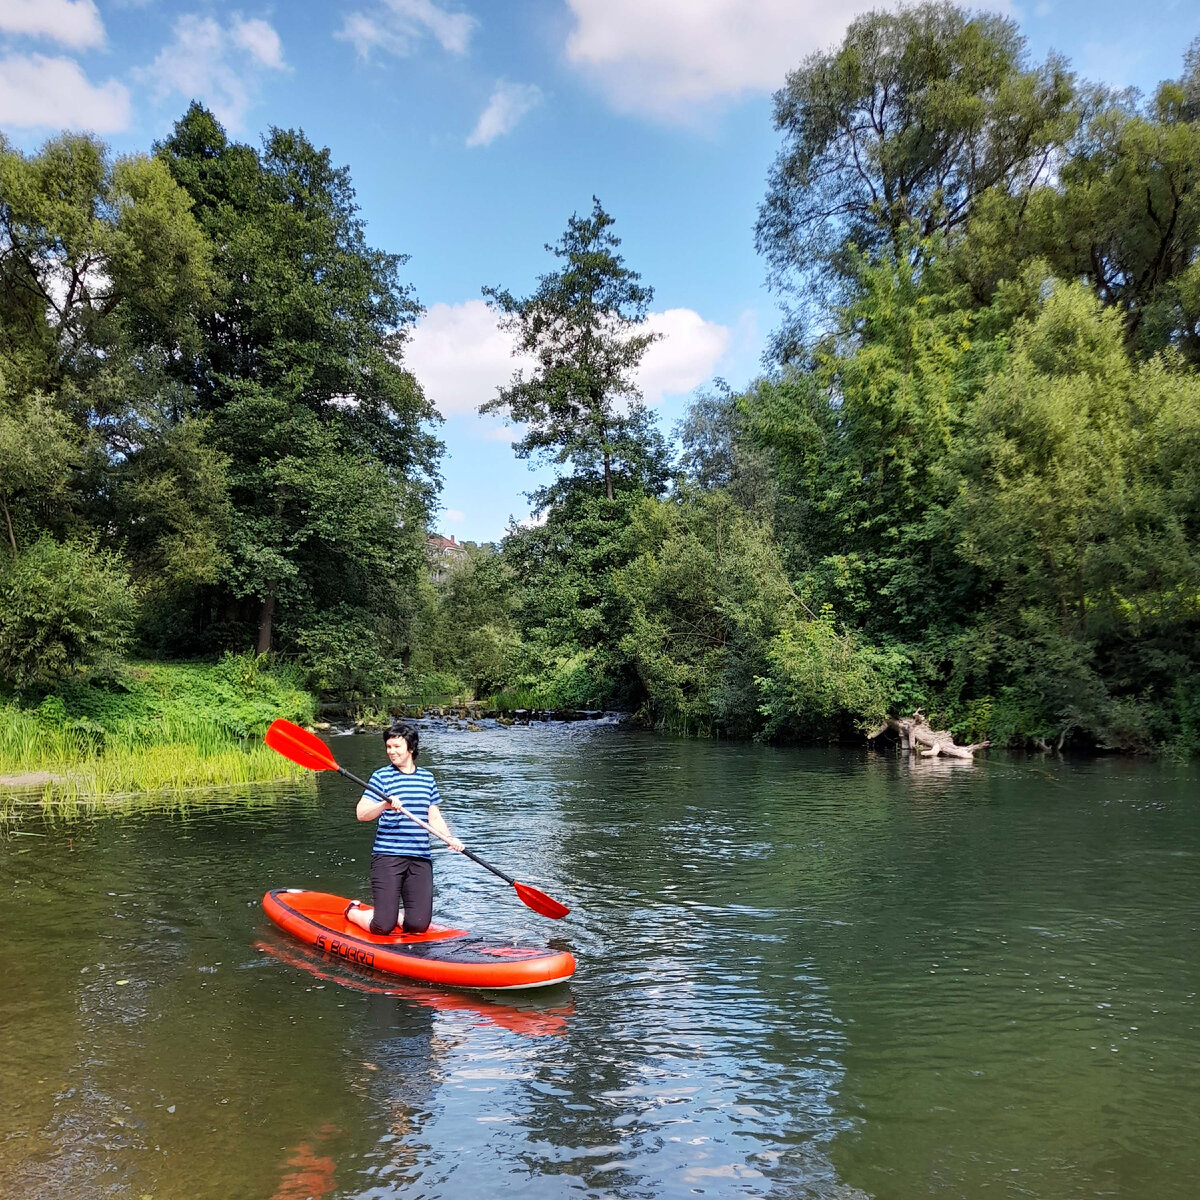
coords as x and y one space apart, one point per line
915 731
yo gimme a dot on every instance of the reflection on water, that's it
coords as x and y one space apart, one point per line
308 1173
801 974
530 1022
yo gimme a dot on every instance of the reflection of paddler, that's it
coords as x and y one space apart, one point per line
550 1022
308 1175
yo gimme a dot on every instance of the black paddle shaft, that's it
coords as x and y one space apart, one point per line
370 787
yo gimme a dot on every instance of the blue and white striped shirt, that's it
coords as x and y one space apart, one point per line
396 834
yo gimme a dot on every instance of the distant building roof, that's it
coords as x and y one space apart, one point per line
444 555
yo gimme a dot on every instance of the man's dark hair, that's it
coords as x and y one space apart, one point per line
402 729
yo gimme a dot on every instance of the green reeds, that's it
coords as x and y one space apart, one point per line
517 697
177 767
168 767
27 744
164 729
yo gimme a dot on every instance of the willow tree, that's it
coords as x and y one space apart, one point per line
584 326
890 139
1124 215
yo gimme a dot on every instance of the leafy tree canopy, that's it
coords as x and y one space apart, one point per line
892 137
584 326
331 464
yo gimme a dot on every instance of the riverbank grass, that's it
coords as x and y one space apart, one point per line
154 728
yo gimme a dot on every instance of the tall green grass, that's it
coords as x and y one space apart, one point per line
27 744
157 728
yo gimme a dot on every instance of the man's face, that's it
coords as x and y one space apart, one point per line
397 749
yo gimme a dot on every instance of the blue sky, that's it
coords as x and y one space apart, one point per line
473 130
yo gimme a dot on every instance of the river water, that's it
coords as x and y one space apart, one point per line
802 973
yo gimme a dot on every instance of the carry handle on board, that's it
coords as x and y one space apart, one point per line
307 750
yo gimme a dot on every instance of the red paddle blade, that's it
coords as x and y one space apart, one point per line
531 897
303 748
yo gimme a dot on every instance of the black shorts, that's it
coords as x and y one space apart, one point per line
397 878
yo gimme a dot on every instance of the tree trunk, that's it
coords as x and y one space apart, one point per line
265 617
915 731
12 537
598 405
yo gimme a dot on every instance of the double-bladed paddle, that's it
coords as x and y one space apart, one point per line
307 750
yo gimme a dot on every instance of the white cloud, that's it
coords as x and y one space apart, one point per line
460 356
74 23
509 103
37 92
362 33
396 26
454 516
503 433
257 38
670 57
535 520
216 65
685 357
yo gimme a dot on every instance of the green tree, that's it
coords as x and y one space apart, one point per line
860 440
1077 502
584 324
93 256
822 681
465 627
564 600
64 606
891 138
478 634
717 451
703 593
331 467
170 496
38 450
343 644
103 272
984 477
1124 215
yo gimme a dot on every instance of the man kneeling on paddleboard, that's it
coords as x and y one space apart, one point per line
401 865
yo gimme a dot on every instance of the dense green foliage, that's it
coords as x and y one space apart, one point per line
970 483
200 382
63 606
235 698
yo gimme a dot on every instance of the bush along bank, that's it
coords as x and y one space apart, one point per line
152 727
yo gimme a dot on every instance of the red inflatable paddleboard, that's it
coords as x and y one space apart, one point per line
440 956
